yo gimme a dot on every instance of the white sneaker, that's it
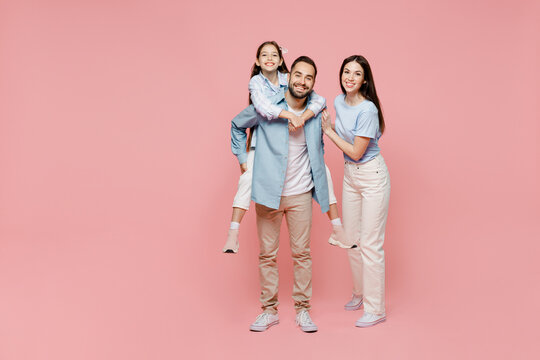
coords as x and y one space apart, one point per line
304 321
355 303
338 238
370 319
264 321
231 245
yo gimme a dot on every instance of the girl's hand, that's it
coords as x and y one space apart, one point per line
296 121
326 123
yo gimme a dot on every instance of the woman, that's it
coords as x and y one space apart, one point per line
366 184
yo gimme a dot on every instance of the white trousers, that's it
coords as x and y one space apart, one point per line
366 194
242 199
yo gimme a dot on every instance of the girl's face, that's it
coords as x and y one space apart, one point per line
352 77
268 59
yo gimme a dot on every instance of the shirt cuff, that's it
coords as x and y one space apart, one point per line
242 158
274 112
315 108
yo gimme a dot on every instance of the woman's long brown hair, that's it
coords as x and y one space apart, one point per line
368 88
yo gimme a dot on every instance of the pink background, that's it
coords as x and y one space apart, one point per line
116 179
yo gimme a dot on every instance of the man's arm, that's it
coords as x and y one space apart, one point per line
244 120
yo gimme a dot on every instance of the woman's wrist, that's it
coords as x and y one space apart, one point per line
328 131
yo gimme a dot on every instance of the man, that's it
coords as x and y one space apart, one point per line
288 172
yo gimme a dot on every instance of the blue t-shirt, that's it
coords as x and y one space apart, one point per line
359 120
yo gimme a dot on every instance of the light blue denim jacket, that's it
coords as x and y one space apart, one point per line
270 164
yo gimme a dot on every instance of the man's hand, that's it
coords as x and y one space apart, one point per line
243 168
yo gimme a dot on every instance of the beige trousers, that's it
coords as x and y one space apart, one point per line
366 194
297 211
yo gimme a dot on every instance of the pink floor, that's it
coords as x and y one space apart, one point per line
139 294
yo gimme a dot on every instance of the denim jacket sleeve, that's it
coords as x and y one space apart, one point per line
244 120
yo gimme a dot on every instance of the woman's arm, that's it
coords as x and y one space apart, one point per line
354 151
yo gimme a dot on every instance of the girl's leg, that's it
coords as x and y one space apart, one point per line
333 212
337 237
238 214
241 204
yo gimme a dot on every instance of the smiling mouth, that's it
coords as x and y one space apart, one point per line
349 85
269 64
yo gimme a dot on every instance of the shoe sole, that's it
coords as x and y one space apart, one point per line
308 329
353 308
263 328
340 245
364 325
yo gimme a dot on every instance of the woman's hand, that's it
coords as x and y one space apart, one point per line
326 123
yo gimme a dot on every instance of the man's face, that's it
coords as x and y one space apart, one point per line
302 80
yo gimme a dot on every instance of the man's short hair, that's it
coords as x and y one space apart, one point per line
305 59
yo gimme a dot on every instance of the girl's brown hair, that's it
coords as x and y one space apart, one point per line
256 69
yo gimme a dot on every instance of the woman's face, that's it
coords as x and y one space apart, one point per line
352 77
269 59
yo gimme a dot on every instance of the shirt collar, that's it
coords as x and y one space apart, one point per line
282 80
280 97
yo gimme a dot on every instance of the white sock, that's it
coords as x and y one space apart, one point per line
336 222
235 225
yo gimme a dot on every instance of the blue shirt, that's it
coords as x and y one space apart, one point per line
359 120
270 164
261 90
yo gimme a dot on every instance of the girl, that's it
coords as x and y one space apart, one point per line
366 184
269 75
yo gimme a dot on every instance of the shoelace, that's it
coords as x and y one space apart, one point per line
368 316
262 318
304 318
